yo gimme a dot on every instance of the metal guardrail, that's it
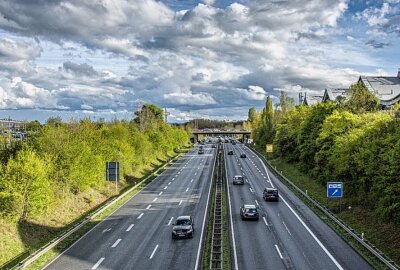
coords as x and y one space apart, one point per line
216 241
360 239
36 255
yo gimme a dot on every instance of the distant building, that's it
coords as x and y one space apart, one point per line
331 94
387 89
12 125
309 100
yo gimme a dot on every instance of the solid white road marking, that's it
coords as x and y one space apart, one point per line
286 228
140 216
180 202
159 194
169 222
130 227
265 221
187 190
148 207
98 263
116 243
154 251
279 252
155 199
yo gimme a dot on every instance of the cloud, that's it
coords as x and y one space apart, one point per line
79 69
188 98
376 44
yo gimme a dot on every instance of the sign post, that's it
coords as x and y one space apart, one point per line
112 173
335 190
269 148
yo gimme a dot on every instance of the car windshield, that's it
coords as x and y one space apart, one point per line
272 191
238 177
251 210
183 222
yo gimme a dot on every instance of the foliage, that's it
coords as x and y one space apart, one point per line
361 100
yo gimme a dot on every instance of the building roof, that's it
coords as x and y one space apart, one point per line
333 93
387 89
311 99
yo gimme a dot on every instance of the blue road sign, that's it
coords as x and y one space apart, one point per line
334 189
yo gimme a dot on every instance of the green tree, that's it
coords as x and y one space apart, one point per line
361 100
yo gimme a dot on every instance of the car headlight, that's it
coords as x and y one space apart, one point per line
174 232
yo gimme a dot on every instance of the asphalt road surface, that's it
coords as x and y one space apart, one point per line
138 235
288 234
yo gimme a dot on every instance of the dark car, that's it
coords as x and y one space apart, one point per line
233 142
271 194
213 146
183 227
230 152
201 151
238 180
249 212
243 155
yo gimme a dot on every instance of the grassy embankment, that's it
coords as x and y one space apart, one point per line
18 240
360 219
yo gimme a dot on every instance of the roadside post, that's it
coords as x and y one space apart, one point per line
112 173
335 190
269 148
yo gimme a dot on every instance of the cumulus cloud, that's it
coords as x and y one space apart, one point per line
188 98
79 69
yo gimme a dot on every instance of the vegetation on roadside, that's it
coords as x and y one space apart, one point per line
349 141
58 174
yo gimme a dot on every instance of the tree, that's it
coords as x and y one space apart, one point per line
54 121
361 100
149 117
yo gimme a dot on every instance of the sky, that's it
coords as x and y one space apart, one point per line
198 59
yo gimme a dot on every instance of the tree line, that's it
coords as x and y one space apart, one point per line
64 159
347 140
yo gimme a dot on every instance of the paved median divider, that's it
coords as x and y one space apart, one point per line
34 257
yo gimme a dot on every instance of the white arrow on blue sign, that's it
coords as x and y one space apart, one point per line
334 189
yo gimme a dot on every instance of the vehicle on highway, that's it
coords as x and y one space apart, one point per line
183 227
271 194
243 155
249 212
214 146
230 152
233 142
238 180
201 151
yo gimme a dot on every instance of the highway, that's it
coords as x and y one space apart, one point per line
138 234
288 235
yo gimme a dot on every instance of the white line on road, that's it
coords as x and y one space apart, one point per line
154 251
169 222
191 181
140 216
180 202
173 179
257 203
155 199
169 183
116 243
251 190
130 227
159 194
148 207
279 252
286 228
265 221
247 181
98 263
195 173
187 190
166 187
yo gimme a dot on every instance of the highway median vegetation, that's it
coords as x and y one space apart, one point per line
58 175
339 141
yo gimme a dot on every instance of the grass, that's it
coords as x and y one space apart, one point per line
360 219
12 244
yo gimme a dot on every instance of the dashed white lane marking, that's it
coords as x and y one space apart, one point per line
154 251
279 252
195 173
247 181
169 222
169 183
148 207
265 221
187 190
106 230
140 216
173 179
191 181
257 203
155 199
116 243
180 202
251 190
166 187
98 263
286 228
159 194
179 172
130 227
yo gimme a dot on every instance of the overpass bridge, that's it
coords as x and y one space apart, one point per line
213 133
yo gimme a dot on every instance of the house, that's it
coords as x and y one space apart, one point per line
331 94
309 100
387 89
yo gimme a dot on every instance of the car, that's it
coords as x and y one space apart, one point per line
271 194
238 180
230 152
201 151
249 212
243 155
183 227
213 146
233 142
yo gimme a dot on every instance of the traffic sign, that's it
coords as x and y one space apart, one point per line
112 171
270 148
334 189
